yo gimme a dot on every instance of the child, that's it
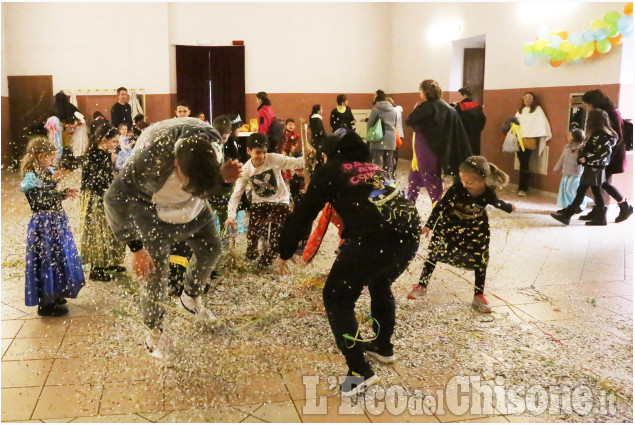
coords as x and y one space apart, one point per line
53 266
342 115
100 249
568 166
594 156
270 197
125 144
291 143
460 227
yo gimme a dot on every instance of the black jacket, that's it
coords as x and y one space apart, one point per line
597 150
121 114
97 173
342 120
473 119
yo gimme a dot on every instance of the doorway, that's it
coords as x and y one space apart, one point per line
30 101
211 79
474 72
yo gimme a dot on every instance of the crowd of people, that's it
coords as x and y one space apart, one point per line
159 189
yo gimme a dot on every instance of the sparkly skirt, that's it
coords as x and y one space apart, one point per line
53 266
100 248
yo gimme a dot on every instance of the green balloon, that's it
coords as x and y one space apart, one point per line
559 55
611 17
529 47
603 46
549 51
613 31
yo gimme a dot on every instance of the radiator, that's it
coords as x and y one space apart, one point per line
537 164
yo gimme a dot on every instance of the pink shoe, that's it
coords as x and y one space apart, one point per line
481 304
417 292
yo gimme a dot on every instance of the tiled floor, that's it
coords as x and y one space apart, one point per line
563 306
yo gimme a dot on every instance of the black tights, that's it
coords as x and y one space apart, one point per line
612 190
579 196
431 263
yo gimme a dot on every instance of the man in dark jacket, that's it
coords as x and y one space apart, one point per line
472 117
121 111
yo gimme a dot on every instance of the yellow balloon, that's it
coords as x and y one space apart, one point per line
566 46
587 49
598 23
540 44
574 54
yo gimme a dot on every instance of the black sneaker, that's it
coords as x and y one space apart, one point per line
214 275
52 310
357 383
384 355
99 274
116 269
60 301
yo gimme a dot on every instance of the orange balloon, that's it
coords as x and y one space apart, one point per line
628 9
555 63
563 35
617 41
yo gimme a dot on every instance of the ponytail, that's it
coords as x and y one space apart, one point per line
488 171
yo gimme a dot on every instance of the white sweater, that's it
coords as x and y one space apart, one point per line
535 124
265 181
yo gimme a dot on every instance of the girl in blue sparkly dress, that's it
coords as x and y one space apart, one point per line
53 266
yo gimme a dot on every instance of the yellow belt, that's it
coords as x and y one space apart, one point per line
181 261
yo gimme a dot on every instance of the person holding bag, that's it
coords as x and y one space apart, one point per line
536 131
382 150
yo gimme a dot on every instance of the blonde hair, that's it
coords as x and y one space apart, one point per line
488 171
37 148
431 89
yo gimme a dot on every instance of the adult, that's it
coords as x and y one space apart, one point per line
318 134
596 99
121 112
441 144
59 125
400 133
265 120
536 131
159 199
472 117
375 252
382 152
342 116
182 110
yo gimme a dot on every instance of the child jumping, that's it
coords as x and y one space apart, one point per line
100 248
270 197
460 226
594 156
53 266
571 171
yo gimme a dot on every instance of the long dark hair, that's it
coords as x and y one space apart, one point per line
597 121
63 109
350 147
315 109
198 161
264 98
533 106
380 96
598 100
105 131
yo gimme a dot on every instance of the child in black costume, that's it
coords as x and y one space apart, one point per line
460 226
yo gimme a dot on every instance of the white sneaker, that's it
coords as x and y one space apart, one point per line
522 193
481 304
152 341
417 292
195 306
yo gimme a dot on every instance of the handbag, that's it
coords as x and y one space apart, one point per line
530 142
398 141
375 133
510 144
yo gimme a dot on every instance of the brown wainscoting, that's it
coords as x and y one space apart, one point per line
6 132
298 105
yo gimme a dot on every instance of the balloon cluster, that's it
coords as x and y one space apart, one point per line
557 46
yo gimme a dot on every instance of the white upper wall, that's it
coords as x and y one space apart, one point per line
295 47
89 46
506 26
5 83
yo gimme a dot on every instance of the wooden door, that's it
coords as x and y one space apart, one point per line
474 72
211 79
30 101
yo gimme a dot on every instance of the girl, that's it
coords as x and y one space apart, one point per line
382 152
265 113
53 267
594 156
460 227
316 125
125 144
536 132
568 166
99 246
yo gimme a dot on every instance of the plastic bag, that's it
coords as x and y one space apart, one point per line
375 133
510 144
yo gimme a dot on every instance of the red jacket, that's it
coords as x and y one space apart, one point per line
265 116
329 215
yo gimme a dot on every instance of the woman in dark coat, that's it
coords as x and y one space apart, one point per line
440 146
595 99
472 117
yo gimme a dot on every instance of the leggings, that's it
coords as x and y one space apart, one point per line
431 263
579 197
612 190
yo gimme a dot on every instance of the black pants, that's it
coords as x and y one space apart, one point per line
579 196
523 159
365 263
431 264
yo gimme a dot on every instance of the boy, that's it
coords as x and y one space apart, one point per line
270 197
182 110
291 144
342 116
